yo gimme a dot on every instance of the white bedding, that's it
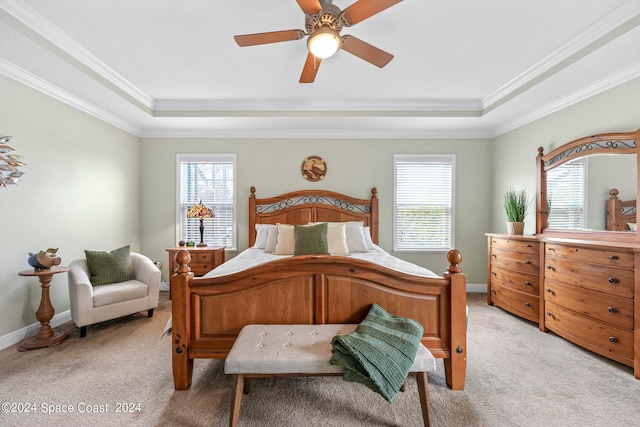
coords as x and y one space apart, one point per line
252 257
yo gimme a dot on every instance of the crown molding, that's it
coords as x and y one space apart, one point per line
31 80
611 26
54 36
317 134
621 76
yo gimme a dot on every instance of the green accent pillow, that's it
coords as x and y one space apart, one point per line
109 267
311 239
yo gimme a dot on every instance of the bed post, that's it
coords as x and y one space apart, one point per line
252 217
180 333
455 366
374 215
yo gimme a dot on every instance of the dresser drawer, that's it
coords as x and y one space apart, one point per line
522 282
594 256
523 262
607 340
590 276
530 247
606 308
519 303
201 258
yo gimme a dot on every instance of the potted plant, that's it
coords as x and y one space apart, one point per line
516 205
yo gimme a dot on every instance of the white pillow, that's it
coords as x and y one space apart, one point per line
367 237
286 240
632 226
272 239
262 234
336 238
355 237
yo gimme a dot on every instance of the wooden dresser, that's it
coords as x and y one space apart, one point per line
514 274
589 297
203 259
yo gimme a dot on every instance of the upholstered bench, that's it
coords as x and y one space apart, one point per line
300 350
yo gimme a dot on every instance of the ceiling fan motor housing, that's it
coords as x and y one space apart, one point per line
328 17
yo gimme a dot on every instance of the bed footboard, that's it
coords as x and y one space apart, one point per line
208 313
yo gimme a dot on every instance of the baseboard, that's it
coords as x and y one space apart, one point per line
17 336
477 288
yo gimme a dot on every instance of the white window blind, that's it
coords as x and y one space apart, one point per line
424 209
566 190
210 179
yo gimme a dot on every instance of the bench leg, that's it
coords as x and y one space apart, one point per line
423 392
235 400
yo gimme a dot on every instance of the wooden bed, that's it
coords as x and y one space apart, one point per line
620 212
208 313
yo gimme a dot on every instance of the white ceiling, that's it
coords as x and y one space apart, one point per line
461 68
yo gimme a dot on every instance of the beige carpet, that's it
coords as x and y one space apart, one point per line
517 376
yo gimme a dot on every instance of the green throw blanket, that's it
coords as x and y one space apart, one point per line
380 352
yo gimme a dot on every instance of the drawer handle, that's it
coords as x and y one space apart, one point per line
612 309
613 340
549 267
548 290
613 280
549 314
526 304
550 249
493 255
526 283
493 273
527 262
528 245
613 257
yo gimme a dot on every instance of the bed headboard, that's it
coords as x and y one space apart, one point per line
619 212
304 206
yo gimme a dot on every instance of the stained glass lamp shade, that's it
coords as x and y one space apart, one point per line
201 211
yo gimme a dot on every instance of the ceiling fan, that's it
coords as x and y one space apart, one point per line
323 23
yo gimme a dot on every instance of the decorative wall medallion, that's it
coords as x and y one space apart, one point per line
10 164
314 168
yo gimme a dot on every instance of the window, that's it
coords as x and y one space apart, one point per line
566 192
211 179
424 211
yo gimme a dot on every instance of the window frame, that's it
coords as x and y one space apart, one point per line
207 158
585 191
425 158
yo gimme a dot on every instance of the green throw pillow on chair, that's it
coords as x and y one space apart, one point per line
109 267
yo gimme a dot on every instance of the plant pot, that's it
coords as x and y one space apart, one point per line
516 228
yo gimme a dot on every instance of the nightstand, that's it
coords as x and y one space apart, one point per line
203 259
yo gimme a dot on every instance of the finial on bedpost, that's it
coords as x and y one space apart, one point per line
183 258
613 194
454 257
540 151
253 192
374 191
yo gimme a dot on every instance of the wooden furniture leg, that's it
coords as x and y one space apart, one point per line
236 400
423 391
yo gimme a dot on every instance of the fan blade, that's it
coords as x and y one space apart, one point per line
363 9
310 7
272 37
310 69
364 50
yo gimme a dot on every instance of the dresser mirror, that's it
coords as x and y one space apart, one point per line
575 180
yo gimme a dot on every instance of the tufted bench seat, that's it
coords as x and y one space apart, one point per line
300 350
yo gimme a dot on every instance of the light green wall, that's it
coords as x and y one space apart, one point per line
353 167
80 191
514 153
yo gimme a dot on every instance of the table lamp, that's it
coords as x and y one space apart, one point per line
201 211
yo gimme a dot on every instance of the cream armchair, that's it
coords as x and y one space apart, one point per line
94 304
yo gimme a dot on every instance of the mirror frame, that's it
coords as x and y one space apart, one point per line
605 143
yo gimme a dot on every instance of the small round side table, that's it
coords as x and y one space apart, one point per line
46 337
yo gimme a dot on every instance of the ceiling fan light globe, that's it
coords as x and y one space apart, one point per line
323 43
